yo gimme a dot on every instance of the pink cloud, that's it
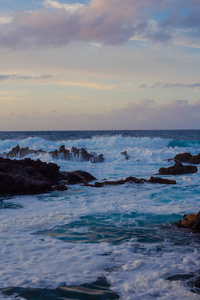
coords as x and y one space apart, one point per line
105 21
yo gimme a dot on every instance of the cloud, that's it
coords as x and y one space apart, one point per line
89 85
108 22
5 20
145 114
171 85
70 7
21 77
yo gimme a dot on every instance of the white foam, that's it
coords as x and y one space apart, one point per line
139 271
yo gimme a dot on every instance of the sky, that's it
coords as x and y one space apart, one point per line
99 64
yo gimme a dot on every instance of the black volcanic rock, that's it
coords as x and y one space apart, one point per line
196 226
77 154
62 153
161 180
195 159
187 158
28 176
77 177
22 152
183 157
178 169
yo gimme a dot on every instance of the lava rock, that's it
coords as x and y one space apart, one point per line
161 180
187 158
27 176
77 177
62 153
22 152
183 157
178 169
196 226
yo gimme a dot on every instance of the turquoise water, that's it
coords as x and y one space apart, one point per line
124 234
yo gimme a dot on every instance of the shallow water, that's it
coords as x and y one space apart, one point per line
121 233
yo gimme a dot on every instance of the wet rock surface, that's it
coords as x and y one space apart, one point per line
178 169
98 290
191 221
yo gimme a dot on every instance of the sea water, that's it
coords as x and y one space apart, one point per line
124 234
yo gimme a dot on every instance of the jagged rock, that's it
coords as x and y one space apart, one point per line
178 169
21 152
82 154
187 158
28 176
62 153
77 177
134 180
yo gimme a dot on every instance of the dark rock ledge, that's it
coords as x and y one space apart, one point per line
27 176
178 169
187 158
133 180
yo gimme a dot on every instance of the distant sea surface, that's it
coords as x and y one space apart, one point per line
114 242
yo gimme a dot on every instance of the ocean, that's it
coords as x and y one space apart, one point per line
113 242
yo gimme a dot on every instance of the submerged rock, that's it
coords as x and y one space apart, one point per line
178 169
98 290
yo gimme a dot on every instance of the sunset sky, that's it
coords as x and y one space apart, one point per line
99 64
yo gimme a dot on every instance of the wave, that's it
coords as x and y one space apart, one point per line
115 142
184 144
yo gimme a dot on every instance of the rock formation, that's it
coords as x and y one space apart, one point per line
191 221
178 169
133 180
27 176
62 153
187 158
